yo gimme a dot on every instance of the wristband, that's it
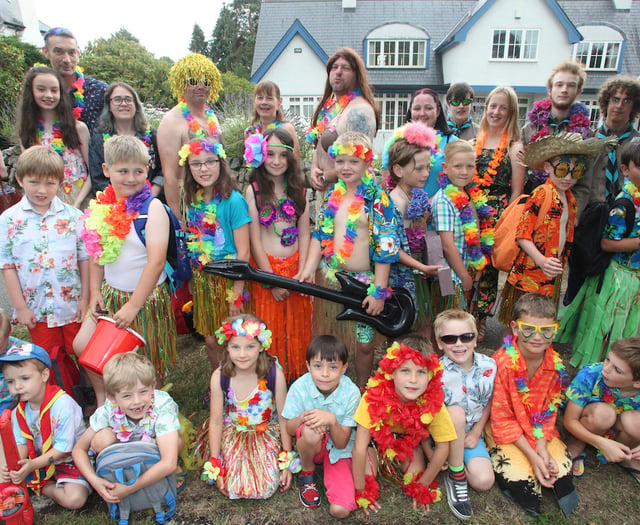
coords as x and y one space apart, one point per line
367 497
379 292
289 460
212 470
237 298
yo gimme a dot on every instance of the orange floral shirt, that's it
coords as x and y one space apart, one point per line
525 274
509 418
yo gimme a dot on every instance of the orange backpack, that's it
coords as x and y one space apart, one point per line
505 245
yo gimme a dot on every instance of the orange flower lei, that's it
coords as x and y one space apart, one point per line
498 154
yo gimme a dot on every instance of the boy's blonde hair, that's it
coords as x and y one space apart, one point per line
125 148
40 366
354 137
570 66
457 146
41 162
453 314
418 343
535 305
629 351
5 326
125 370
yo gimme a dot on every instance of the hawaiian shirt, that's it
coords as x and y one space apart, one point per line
470 390
5 397
93 102
616 228
44 249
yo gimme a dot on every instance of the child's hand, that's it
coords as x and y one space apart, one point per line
303 276
26 317
551 266
372 305
104 489
96 307
471 440
467 282
375 507
221 485
83 304
430 270
614 451
125 316
318 419
18 476
279 294
541 472
4 475
285 479
120 491
635 452
235 310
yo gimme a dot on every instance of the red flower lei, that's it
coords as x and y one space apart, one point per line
423 494
386 410
498 154
367 497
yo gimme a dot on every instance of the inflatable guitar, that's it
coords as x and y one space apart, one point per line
396 318
15 505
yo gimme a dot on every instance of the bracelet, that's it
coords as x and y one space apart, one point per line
421 493
212 470
289 460
367 497
379 292
237 298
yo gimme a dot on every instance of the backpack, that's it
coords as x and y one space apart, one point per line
177 267
587 254
64 372
124 463
505 245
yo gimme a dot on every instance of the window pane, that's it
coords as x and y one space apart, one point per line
389 114
418 53
597 50
611 60
531 45
389 53
515 42
582 52
497 50
403 106
404 52
308 105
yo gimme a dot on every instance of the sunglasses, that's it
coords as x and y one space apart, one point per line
465 102
527 330
451 339
193 82
562 168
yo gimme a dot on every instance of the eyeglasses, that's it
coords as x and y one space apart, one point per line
451 339
562 168
208 164
618 100
193 82
118 101
527 330
465 102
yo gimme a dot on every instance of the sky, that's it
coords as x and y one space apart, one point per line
162 27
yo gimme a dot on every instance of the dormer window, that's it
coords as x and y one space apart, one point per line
600 49
397 46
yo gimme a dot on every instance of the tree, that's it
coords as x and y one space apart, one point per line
234 37
198 43
32 54
11 71
121 57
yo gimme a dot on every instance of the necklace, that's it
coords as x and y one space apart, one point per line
331 109
555 396
577 120
633 192
57 143
145 137
417 208
108 221
126 431
194 125
498 154
258 128
285 210
78 93
479 241
205 236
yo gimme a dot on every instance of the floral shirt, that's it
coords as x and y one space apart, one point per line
5 397
44 249
161 419
252 413
470 390
616 228
93 102
589 387
525 275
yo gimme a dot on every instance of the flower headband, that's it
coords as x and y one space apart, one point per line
249 328
355 150
196 147
414 133
398 353
255 149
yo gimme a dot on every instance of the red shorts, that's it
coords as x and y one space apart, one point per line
68 473
49 338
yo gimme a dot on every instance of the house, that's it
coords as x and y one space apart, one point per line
18 18
409 44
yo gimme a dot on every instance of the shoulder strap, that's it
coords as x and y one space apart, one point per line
225 382
140 221
256 195
629 213
271 378
546 203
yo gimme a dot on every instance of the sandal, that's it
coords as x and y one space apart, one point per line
481 326
635 473
577 468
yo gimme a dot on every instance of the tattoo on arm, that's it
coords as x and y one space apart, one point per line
361 119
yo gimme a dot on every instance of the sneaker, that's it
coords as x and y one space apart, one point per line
307 490
458 498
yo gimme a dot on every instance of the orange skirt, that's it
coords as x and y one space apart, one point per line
288 320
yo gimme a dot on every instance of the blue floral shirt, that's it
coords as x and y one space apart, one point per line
93 102
616 228
589 387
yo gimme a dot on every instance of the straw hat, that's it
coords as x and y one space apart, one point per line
549 146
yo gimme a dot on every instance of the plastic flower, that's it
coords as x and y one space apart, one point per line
255 150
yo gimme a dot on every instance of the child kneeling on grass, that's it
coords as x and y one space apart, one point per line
402 406
133 411
603 409
319 411
467 382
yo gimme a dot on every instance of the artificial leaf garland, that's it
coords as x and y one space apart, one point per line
194 125
78 93
330 110
490 173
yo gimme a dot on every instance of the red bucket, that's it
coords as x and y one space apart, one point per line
107 341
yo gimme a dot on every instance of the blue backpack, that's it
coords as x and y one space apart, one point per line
177 266
123 463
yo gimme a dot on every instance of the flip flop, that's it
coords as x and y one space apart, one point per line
634 472
577 468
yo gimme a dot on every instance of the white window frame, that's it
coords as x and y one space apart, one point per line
393 108
301 105
521 44
594 111
389 53
595 54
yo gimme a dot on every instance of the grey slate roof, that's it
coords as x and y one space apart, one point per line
10 14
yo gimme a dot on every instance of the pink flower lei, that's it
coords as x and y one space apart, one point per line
124 429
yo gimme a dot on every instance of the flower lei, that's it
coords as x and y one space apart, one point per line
556 396
633 191
418 207
285 210
540 116
251 408
146 138
386 410
479 242
194 125
124 429
196 147
367 497
289 460
353 214
498 154
78 93
246 328
108 221
57 143
328 112
423 494
212 469
258 128
205 237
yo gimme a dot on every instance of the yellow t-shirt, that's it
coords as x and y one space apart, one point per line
441 428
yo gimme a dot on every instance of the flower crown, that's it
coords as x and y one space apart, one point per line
398 353
355 150
255 149
249 328
198 146
414 133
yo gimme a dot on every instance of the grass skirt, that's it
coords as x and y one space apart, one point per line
251 459
210 307
593 321
288 320
441 303
424 308
155 322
